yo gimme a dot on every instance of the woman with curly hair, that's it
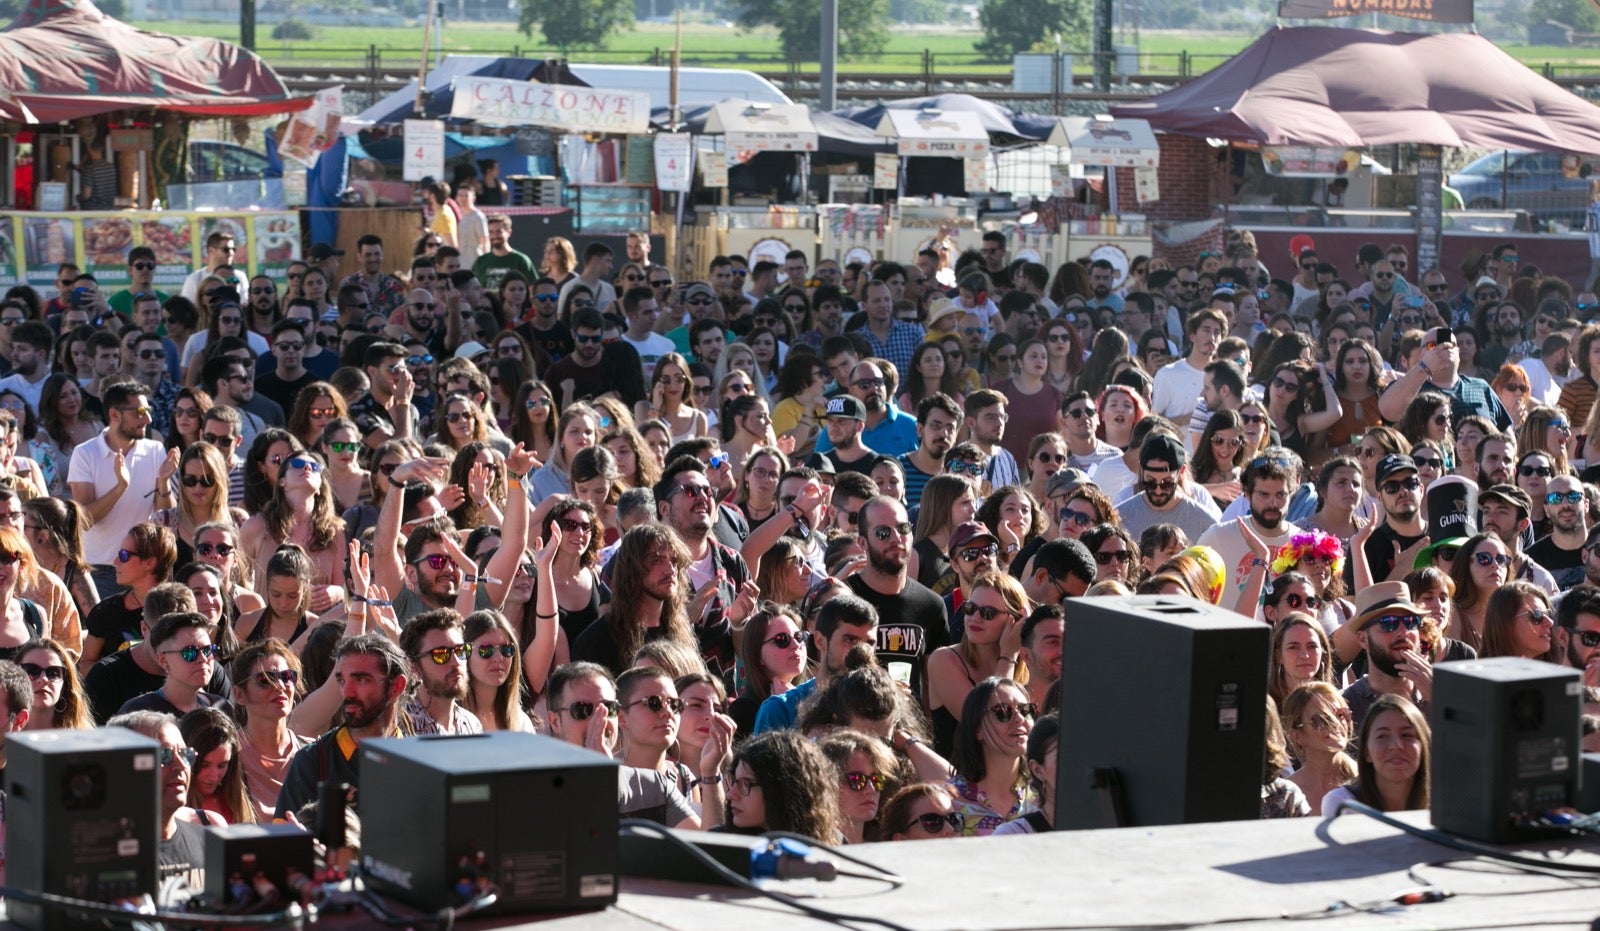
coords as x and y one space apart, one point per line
1120 409
780 781
928 374
920 811
461 421
216 787
1084 507
1015 517
866 770
301 512
991 747
636 464
1219 457
1116 554
58 697
992 615
202 497
315 406
480 470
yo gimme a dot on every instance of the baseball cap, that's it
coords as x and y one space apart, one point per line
1159 447
699 289
1066 480
967 533
1485 282
847 406
1508 494
471 349
1393 464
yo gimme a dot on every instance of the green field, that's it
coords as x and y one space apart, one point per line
705 44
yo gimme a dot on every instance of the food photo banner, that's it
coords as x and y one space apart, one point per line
32 245
1433 11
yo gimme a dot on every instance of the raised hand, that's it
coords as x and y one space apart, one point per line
451 497
169 467
521 461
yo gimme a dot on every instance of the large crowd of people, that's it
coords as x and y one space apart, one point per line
794 543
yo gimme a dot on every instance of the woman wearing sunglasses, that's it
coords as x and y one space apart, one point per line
772 654
1116 554
1535 468
1219 457
1548 429
1317 728
266 684
535 416
866 771
1482 565
572 551
1300 655
648 724
145 560
991 777
494 673
58 698
340 444
184 650
1043 741
1318 558
263 465
1518 621
301 512
920 811
317 405
287 588
202 495
672 399
216 785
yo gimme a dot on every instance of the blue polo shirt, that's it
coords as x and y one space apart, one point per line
895 435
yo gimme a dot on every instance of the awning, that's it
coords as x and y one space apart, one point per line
945 133
1114 143
761 127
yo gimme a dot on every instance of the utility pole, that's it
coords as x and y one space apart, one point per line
247 24
828 55
1103 52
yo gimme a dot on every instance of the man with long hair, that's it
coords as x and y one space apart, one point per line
647 600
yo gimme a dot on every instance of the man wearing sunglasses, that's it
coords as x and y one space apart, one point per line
1388 627
545 329
1438 369
973 551
1578 624
181 851
888 430
385 411
289 374
141 279
1504 510
118 678
579 374
1163 471
1403 530
432 642
1077 421
1561 551
182 643
232 383
369 672
913 622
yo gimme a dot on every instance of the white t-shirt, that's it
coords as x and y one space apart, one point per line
604 294
191 284
30 391
1177 391
651 349
91 463
197 343
1229 543
1542 385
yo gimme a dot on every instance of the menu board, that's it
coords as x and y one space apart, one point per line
99 243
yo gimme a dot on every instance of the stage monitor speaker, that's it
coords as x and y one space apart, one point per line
1163 712
1505 747
81 819
531 817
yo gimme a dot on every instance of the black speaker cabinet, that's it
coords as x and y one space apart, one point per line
1163 712
1505 746
82 808
532 817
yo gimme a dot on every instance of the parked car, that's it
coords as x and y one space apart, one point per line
210 160
1549 185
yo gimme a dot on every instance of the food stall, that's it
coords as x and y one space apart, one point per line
1107 144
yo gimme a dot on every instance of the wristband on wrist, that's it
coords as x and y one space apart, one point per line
380 602
358 599
469 577
709 780
395 484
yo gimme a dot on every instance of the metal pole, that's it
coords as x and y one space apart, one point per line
827 76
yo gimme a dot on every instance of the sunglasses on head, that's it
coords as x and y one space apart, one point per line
655 704
442 655
192 653
1005 712
488 650
51 673
857 781
1390 623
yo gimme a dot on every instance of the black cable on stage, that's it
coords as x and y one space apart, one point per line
1472 847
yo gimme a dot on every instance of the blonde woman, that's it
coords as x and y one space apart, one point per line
202 496
991 641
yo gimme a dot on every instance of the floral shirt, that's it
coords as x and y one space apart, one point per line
389 293
979 816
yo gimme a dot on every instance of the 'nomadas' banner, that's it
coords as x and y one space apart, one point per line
563 107
1433 11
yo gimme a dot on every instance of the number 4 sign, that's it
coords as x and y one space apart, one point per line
424 152
674 161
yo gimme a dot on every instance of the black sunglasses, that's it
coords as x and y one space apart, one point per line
581 710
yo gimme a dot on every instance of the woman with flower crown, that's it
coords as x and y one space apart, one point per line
1319 557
